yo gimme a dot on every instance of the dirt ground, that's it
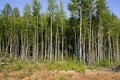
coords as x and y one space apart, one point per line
44 74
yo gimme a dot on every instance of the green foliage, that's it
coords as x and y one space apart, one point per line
1 54
62 77
10 60
36 7
7 10
52 7
14 65
27 11
29 72
18 67
16 12
1 67
105 64
63 65
10 66
35 33
93 67
7 55
21 75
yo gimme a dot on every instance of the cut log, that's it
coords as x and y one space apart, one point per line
116 68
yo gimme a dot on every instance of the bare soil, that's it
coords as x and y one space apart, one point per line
44 74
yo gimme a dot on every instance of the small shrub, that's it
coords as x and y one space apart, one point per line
5 74
105 64
18 67
10 60
29 73
7 55
61 78
43 79
1 67
93 67
1 54
67 66
22 75
79 67
13 67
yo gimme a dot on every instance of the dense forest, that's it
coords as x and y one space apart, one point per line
91 34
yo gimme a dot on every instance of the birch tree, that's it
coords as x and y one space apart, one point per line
51 9
36 7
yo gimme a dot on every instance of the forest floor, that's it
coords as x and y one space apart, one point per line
44 74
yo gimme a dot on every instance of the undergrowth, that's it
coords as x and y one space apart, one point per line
17 65
65 65
29 67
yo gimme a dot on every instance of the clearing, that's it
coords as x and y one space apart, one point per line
45 74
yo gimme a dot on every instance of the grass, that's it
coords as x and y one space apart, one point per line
43 79
18 67
30 67
93 67
64 65
1 67
5 74
62 77
24 69
22 75
15 65
105 64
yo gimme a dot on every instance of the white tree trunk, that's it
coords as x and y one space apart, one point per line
51 41
118 54
80 40
110 47
42 42
100 42
62 42
56 44
90 53
45 44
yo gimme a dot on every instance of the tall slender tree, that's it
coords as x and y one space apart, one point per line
62 21
51 8
101 7
7 10
6 13
25 50
36 13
